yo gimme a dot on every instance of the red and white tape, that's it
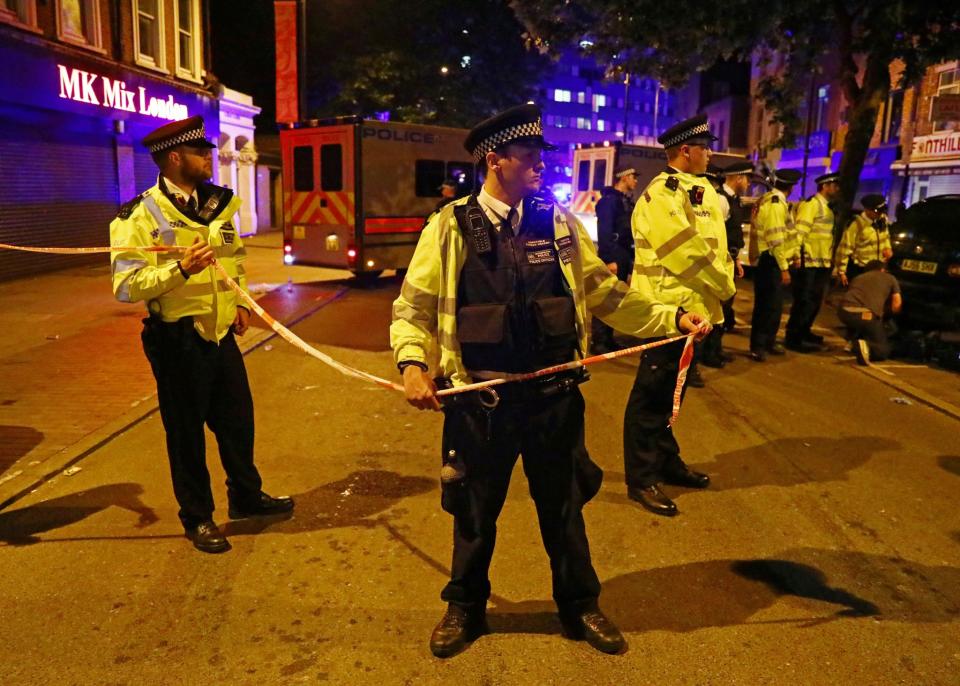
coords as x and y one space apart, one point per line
347 370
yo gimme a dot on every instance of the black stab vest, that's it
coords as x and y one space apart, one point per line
515 312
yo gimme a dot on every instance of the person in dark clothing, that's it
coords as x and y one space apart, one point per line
862 311
614 242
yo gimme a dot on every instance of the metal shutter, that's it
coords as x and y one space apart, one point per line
58 186
943 184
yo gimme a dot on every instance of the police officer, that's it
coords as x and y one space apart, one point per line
812 279
189 334
681 259
506 278
865 239
614 242
736 181
775 238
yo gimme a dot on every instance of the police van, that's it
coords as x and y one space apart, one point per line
595 163
356 191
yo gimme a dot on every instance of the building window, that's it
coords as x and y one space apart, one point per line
22 12
561 95
148 33
581 97
583 123
187 15
78 22
949 85
601 125
599 101
893 117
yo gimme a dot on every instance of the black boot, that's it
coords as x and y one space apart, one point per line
457 628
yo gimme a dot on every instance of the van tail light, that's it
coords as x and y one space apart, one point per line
352 255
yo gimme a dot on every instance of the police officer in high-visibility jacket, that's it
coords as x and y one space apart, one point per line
814 222
775 238
867 238
188 336
681 259
504 280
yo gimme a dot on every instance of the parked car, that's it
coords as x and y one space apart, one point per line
926 262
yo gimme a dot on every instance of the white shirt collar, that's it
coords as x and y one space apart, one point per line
176 190
728 190
497 210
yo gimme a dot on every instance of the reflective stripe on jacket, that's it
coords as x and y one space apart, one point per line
154 276
815 231
427 304
774 228
862 243
681 248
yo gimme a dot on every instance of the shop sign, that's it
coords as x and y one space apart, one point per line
96 89
936 146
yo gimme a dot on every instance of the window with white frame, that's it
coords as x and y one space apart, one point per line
560 95
188 38
581 97
23 12
148 33
949 84
78 21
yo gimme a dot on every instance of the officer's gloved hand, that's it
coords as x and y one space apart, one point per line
197 257
419 388
694 323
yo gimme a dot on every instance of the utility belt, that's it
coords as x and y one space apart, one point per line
512 393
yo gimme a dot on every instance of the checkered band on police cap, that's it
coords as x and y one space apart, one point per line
185 137
504 136
689 134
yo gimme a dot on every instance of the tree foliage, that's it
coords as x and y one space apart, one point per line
370 56
850 42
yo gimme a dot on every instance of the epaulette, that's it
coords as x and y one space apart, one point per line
672 182
127 208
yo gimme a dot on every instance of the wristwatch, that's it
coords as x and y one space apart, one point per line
680 313
411 363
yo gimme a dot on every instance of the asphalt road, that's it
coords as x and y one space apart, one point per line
827 550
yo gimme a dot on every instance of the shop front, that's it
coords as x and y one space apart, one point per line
933 167
70 153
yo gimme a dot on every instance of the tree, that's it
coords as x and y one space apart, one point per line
449 62
852 42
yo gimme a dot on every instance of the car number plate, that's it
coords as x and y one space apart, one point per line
919 266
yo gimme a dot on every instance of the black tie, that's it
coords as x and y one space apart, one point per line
507 224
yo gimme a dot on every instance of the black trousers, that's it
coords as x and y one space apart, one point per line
650 450
810 286
767 303
199 382
548 433
729 319
874 331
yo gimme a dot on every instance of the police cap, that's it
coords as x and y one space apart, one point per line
829 177
449 181
786 176
873 201
693 130
184 132
739 167
624 171
522 124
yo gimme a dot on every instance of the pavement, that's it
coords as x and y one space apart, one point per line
73 374
826 551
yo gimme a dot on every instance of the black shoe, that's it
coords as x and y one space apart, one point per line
715 362
688 478
758 355
727 357
208 538
261 505
811 337
457 628
776 349
694 380
801 346
595 628
653 499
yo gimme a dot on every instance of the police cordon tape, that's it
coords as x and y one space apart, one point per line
292 338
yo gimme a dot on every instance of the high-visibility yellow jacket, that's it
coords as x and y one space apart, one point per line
774 230
152 219
427 304
815 231
681 255
861 242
